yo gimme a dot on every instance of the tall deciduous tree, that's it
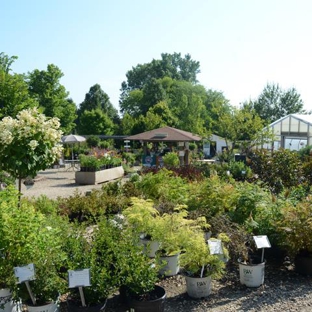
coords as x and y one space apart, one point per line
14 95
6 62
45 87
170 65
244 128
274 103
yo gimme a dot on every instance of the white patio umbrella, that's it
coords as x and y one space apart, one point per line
72 139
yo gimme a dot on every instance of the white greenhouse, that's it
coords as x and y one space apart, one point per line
292 132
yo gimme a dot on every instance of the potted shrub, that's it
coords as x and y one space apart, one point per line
173 231
200 266
294 230
28 236
8 200
141 216
48 258
93 248
138 275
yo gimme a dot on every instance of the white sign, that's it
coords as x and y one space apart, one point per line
79 278
25 273
215 246
181 153
262 241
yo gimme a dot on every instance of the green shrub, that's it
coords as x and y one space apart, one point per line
171 159
164 185
281 170
93 141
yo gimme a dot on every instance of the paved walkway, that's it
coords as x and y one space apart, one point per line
56 183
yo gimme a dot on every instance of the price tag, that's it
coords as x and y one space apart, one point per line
215 246
262 241
79 278
25 273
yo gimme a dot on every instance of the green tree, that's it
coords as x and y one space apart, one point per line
97 100
216 104
274 103
6 62
170 65
14 95
95 122
244 128
187 105
45 87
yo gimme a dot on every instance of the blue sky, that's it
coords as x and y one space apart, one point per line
241 44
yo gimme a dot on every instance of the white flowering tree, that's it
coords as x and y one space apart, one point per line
29 143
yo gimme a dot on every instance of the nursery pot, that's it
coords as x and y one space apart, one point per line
150 247
75 306
156 304
6 300
170 265
49 307
303 264
198 287
251 275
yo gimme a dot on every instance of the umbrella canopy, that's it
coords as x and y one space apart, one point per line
73 138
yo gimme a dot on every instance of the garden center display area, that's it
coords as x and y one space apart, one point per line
182 237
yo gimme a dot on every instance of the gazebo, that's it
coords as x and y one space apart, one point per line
164 134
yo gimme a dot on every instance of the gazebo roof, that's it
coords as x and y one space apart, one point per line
165 134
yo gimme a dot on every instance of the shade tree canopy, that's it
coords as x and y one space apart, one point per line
14 95
46 89
274 103
170 65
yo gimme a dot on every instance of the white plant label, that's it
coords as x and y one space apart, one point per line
79 278
25 273
215 246
262 241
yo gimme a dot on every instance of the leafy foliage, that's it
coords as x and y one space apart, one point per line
282 169
274 103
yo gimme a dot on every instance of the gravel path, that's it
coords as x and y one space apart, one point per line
283 290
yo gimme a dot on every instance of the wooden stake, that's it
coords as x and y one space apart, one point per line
33 299
83 302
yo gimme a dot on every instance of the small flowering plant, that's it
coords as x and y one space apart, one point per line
29 143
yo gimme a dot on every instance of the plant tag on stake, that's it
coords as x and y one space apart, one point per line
79 278
26 274
262 241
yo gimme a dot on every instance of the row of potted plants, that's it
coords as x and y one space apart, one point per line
109 248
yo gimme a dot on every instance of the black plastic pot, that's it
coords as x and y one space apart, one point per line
154 305
75 306
303 264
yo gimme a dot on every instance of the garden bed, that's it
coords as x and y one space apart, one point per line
97 177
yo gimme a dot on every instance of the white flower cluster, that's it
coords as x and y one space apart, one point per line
32 132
